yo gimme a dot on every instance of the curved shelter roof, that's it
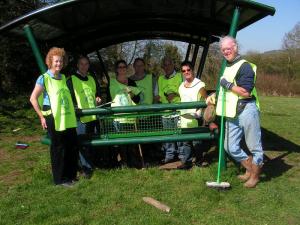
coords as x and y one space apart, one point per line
93 24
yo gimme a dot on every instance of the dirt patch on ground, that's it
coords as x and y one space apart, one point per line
13 178
3 155
15 138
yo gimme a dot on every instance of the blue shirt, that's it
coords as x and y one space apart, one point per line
245 75
40 82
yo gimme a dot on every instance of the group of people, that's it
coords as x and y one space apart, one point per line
61 97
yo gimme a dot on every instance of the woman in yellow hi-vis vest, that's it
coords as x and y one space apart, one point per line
57 115
191 89
124 92
241 111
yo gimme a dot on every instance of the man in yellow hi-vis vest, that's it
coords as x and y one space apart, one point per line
144 82
166 91
241 111
85 92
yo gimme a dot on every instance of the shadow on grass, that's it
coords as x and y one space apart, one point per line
275 167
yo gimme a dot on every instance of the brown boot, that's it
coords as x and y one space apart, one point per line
246 164
254 178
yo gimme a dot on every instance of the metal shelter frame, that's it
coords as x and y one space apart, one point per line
89 25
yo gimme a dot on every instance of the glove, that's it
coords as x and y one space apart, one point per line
211 99
225 84
127 90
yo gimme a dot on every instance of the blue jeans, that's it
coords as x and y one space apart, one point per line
170 147
245 124
83 160
185 151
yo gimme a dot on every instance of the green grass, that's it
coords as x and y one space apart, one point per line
27 195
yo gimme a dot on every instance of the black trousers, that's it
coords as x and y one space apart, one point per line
63 152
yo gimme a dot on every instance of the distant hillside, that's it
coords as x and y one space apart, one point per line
278 71
279 51
273 51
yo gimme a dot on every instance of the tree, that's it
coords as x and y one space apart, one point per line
153 53
172 51
291 39
291 43
212 66
16 64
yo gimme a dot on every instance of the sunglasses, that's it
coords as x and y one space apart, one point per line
188 70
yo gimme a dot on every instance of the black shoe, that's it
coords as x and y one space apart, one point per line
87 173
185 166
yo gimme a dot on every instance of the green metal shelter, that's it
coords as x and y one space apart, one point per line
86 26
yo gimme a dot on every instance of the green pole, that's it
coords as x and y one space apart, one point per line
37 55
35 49
232 32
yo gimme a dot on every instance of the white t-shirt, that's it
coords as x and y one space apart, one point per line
190 94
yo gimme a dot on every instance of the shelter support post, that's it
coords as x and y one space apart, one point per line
103 68
203 57
232 32
102 65
196 49
188 51
37 54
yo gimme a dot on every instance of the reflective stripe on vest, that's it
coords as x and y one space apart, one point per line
61 102
231 98
146 87
168 86
190 94
85 92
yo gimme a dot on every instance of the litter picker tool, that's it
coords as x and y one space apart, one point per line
140 147
105 104
218 184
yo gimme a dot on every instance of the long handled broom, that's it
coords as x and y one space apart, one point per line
218 184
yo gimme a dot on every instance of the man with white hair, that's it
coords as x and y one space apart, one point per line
241 111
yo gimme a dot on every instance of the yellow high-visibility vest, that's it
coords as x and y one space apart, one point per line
231 98
146 87
85 92
167 86
120 96
61 102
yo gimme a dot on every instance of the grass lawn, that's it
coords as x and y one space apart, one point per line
27 195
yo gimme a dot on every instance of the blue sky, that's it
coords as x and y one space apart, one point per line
267 34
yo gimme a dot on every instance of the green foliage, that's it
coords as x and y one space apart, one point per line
17 113
173 52
212 67
153 54
152 51
278 62
17 66
285 62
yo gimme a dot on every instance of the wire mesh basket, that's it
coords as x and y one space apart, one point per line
126 125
